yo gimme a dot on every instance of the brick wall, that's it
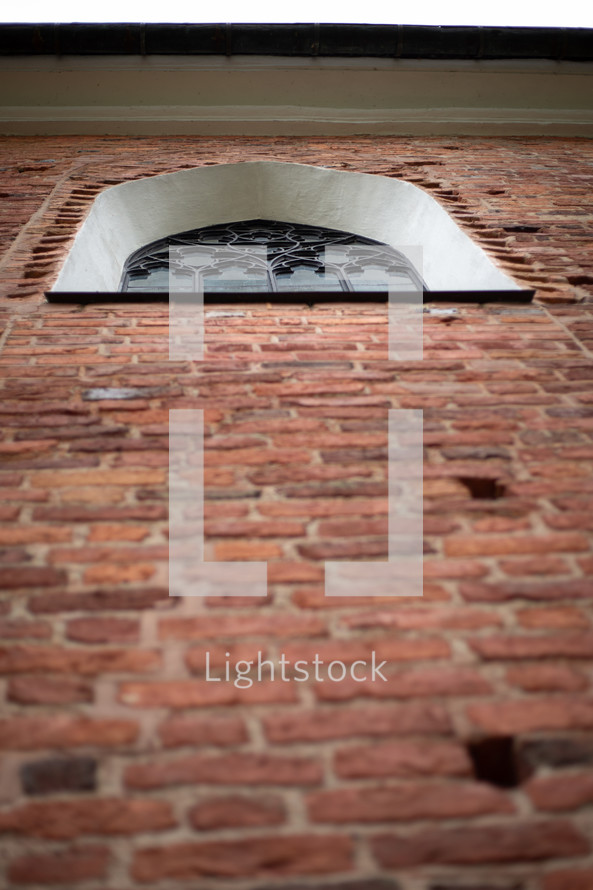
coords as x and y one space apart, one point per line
470 766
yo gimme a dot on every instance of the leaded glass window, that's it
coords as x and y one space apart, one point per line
263 256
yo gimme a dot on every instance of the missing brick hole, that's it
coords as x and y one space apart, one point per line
493 760
483 489
521 228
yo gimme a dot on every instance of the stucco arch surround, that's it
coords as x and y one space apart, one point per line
126 217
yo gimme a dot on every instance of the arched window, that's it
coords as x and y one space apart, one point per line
266 256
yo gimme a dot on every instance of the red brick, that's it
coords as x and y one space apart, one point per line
580 588
178 732
320 725
65 660
494 545
313 508
540 565
409 684
114 554
63 731
64 867
8 514
454 568
252 857
68 819
569 879
565 792
103 630
565 645
31 576
38 690
249 551
34 534
20 628
231 769
405 802
253 529
71 478
236 812
547 678
110 599
419 619
405 758
552 617
202 693
532 714
387 649
469 845
210 626
118 532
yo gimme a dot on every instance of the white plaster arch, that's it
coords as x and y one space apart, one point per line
126 217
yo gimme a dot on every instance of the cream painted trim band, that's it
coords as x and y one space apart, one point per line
268 120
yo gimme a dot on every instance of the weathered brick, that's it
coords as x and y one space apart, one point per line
63 731
59 774
413 758
38 690
229 769
566 645
409 684
178 732
569 879
21 628
68 819
547 678
532 714
519 842
493 545
108 599
103 630
31 576
406 802
554 751
202 693
258 856
209 626
66 660
320 725
236 812
565 792
68 866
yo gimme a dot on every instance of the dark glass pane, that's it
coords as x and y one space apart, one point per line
255 256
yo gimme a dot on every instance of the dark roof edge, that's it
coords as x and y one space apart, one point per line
354 41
